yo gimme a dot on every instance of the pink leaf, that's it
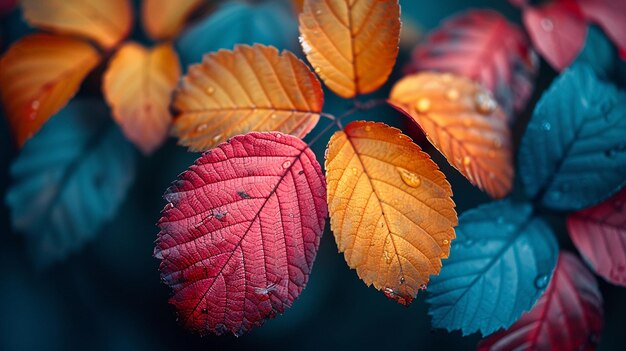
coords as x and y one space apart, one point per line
557 30
610 15
239 235
568 316
484 47
599 233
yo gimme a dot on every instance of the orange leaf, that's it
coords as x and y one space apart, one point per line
39 74
105 21
390 208
138 86
253 88
164 19
463 121
352 45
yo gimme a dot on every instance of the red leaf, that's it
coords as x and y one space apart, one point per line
599 233
239 235
568 316
608 14
557 30
484 47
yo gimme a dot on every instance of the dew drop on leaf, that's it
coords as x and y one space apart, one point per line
546 24
354 171
409 178
217 137
452 94
201 127
485 104
546 125
422 105
210 90
467 160
541 281
446 241
286 164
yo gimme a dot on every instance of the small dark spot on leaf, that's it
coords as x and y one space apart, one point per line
301 172
243 194
205 311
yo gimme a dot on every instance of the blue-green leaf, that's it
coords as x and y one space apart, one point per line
599 53
69 180
271 23
573 154
500 263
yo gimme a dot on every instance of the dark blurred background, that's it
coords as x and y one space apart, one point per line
109 296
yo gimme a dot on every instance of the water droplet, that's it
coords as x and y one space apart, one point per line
467 160
201 127
318 70
422 286
541 281
387 257
368 128
318 12
354 171
485 104
402 280
452 94
446 241
210 90
273 116
546 24
409 178
204 311
217 138
422 105
546 125
286 164
278 135
169 205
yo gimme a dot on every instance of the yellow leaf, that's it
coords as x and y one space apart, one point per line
138 85
39 74
353 45
164 19
463 121
253 88
390 208
105 21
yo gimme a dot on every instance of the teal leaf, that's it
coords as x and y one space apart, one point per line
69 180
599 53
499 265
573 154
271 23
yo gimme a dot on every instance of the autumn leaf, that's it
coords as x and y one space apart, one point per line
38 75
500 264
611 16
138 85
557 30
390 208
240 232
599 233
462 121
483 46
252 88
105 21
568 316
352 45
69 180
164 19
